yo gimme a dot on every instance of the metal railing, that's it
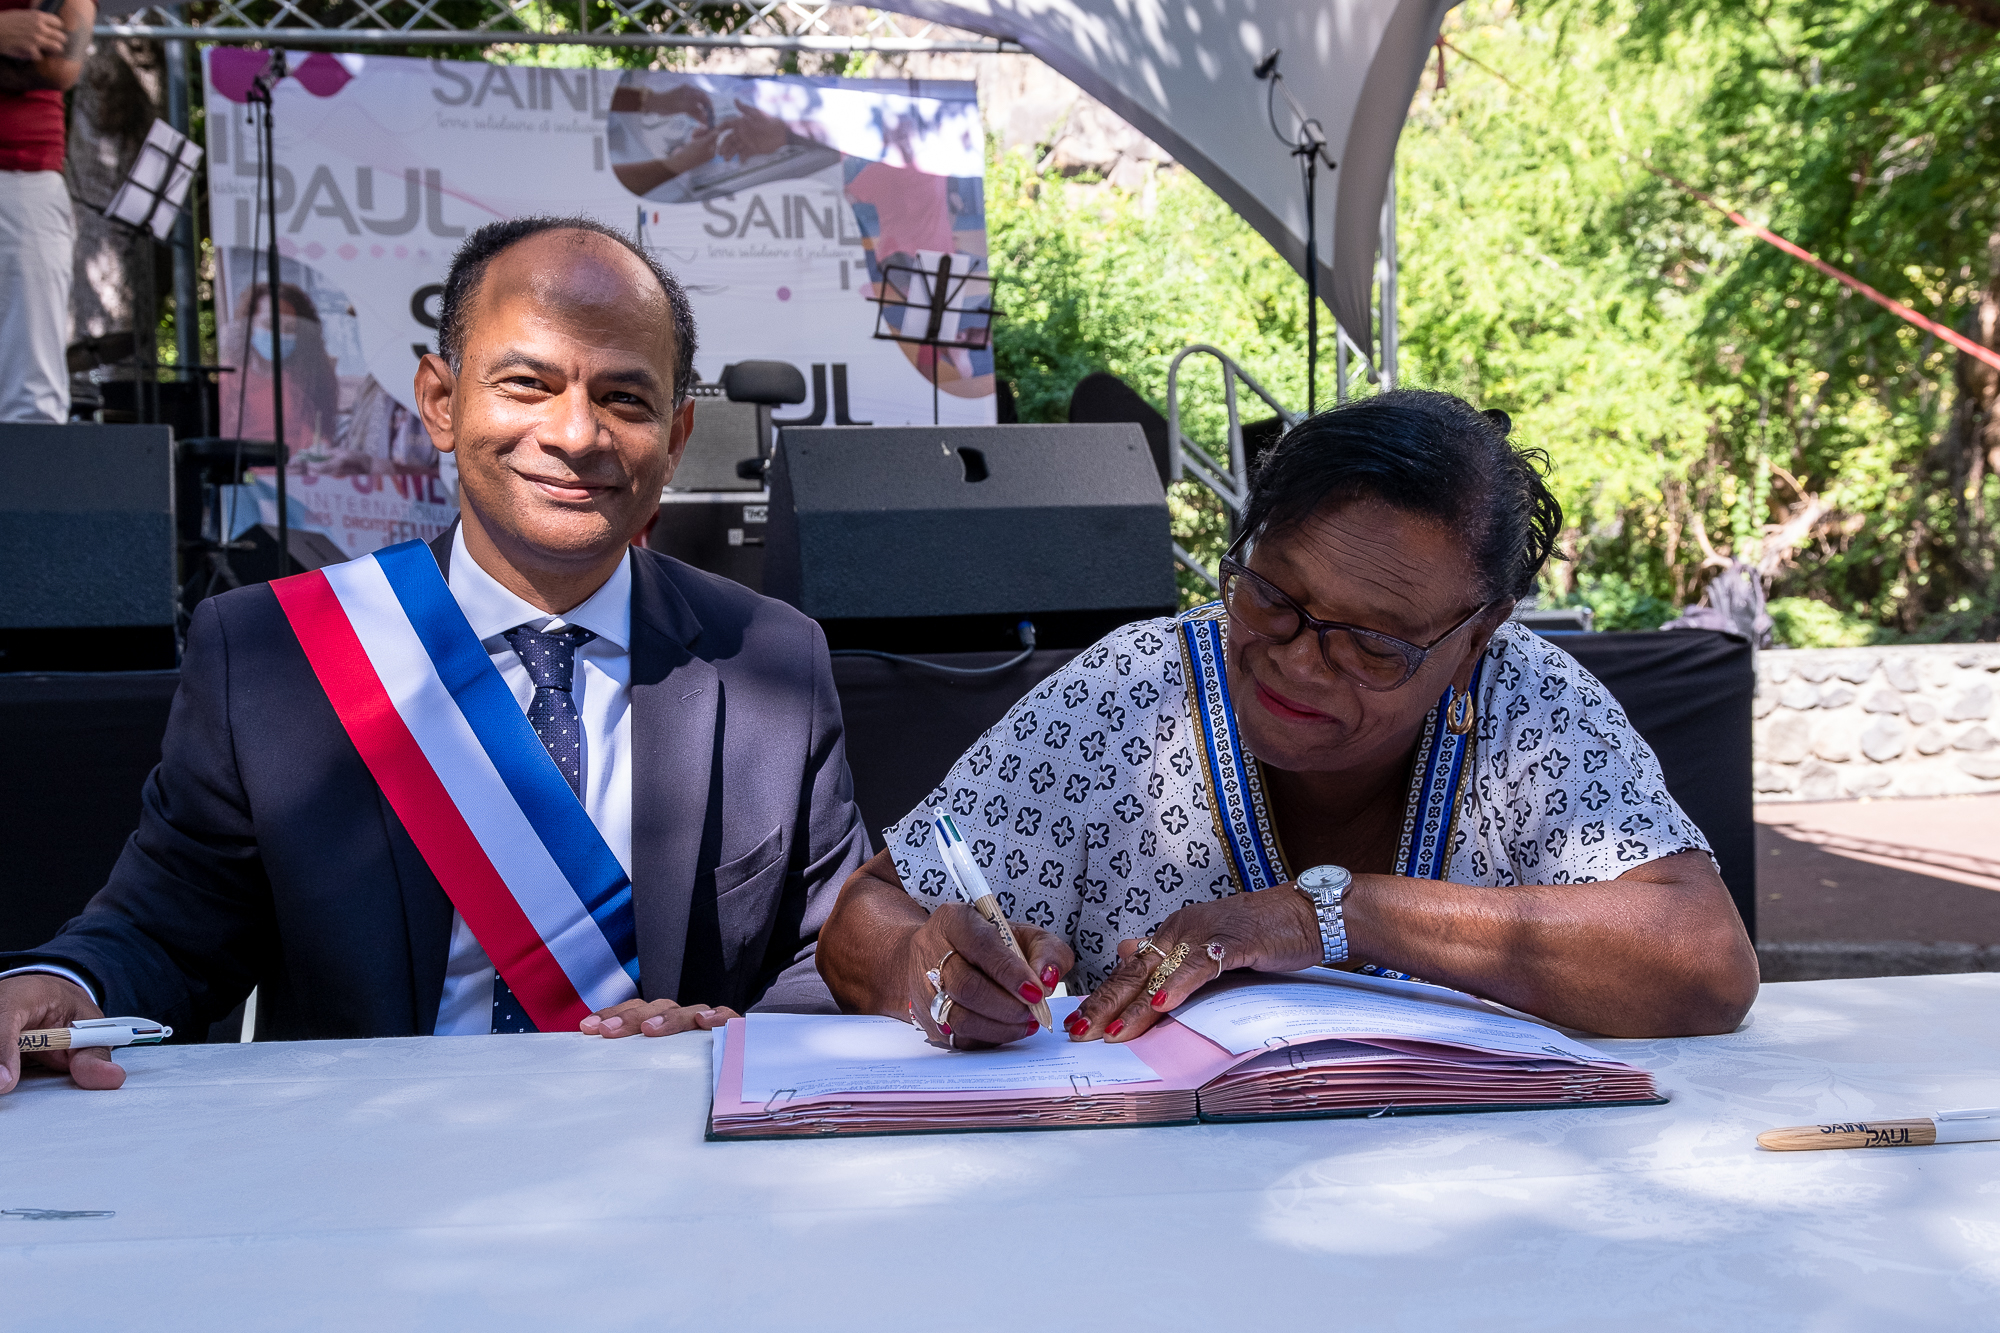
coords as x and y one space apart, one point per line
1228 477
780 25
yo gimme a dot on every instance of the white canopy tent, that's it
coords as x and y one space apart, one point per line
1180 73
1183 75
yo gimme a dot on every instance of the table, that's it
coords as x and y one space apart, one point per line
557 1182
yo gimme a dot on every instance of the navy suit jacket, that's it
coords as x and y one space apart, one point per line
267 856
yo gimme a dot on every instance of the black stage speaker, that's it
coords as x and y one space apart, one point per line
258 563
724 435
1103 398
86 548
719 532
922 538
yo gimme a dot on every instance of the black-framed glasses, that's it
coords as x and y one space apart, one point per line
1369 658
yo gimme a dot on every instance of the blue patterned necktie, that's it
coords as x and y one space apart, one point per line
551 663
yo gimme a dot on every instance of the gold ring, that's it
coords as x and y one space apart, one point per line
1216 953
1158 981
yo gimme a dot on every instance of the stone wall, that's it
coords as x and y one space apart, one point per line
1833 723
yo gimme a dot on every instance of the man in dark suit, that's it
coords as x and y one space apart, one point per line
695 721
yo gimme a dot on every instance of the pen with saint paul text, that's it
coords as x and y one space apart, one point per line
1921 1132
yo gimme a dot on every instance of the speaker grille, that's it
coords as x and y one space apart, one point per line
86 526
924 522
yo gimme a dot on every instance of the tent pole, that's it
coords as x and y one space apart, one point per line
187 302
1312 281
1388 284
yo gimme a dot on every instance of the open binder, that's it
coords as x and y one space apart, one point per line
1311 1044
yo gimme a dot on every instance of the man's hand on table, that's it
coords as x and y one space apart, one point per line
39 1000
654 1018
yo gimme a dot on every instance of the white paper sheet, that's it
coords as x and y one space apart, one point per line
1246 1017
812 1055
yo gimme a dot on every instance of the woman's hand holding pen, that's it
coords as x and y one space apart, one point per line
989 990
1272 931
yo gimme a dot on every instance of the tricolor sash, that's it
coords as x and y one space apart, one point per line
493 817
1242 814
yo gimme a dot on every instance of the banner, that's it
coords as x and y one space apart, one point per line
811 220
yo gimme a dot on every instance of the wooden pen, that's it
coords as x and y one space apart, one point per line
85 1032
972 887
1943 1127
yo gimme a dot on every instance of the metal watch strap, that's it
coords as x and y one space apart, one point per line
1326 899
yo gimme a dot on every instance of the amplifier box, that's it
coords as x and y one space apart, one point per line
926 538
724 435
722 533
87 548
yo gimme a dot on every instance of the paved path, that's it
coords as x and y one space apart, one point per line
1917 870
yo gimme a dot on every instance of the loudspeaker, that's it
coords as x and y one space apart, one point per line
921 538
1103 398
724 435
721 533
259 564
86 548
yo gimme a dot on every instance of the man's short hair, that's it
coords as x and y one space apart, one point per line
468 269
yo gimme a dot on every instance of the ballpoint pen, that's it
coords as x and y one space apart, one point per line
96 1032
972 887
1940 1127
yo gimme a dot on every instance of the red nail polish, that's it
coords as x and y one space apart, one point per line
1029 993
1050 977
1075 1023
1033 1028
1160 1000
1117 1026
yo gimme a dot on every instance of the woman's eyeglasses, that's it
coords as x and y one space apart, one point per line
1372 660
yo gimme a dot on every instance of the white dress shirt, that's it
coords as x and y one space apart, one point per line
602 688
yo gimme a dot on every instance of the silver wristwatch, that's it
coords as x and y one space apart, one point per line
1326 886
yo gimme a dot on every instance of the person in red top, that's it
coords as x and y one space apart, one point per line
41 56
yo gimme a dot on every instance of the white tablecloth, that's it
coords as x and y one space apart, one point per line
561 1182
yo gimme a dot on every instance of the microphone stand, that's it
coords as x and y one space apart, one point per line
261 89
1310 148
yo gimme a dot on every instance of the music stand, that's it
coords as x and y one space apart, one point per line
150 199
155 190
936 308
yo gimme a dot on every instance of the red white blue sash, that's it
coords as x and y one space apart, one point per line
493 817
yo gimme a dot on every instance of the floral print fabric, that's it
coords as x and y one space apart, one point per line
1092 806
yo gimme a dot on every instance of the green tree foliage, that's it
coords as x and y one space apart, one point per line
1097 279
1868 133
1701 395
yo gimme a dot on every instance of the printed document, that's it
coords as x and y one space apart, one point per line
1246 1017
810 1055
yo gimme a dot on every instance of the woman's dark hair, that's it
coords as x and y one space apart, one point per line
1426 453
468 268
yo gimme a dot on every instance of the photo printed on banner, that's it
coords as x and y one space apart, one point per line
789 207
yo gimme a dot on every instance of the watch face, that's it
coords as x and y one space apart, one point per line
1325 878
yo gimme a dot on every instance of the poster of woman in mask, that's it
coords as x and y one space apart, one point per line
363 470
312 384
